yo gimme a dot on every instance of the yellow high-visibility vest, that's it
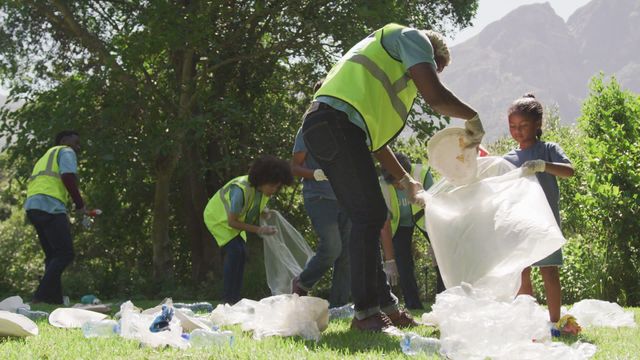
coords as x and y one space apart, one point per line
215 213
375 84
45 177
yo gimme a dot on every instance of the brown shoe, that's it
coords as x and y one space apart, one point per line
402 319
376 322
296 289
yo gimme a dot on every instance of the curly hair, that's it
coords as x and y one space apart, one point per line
529 107
440 48
404 161
270 170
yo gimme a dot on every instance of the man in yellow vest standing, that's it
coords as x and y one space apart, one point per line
53 180
362 105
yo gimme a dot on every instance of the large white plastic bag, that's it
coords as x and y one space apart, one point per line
280 315
134 325
285 254
484 233
289 315
592 312
474 325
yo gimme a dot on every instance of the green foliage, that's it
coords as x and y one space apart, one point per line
172 99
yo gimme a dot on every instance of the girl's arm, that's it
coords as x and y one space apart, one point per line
237 224
561 170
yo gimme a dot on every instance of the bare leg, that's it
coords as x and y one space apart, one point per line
551 278
525 287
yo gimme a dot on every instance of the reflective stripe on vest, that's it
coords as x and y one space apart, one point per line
215 213
45 177
376 85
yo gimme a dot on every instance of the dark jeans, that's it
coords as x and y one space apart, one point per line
333 227
341 150
54 233
402 248
233 269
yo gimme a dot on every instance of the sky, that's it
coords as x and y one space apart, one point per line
492 10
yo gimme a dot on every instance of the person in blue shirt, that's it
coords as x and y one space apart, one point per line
331 224
547 161
54 176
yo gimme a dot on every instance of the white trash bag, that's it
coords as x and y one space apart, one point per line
285 253
474 325
592 312
13 303
486 232
280 315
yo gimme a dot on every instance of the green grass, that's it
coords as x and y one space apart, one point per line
337 342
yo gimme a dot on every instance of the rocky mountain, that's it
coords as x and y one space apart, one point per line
532 49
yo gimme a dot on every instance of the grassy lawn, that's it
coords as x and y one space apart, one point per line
336 342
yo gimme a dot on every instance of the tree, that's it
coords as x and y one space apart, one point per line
176 96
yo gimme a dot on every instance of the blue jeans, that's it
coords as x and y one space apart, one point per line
333 227
402 248
341 149
233 269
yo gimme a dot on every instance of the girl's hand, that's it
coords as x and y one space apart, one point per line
533 166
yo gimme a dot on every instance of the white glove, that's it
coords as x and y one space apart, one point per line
413 188
267 230
266 213
391 269
533 166
474 131
319 175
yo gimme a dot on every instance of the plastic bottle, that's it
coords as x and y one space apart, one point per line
101 328
32 314
195 307
203 338
341 312
413 344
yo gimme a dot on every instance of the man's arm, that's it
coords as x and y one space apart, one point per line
70 182
298 168
436 94
388 161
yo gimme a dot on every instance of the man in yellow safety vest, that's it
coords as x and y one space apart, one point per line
362 105
53 181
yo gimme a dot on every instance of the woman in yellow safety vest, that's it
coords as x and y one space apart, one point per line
236 209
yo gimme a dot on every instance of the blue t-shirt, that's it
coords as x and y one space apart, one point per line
406 215
411 46
67 164
549 152
310 187
237 202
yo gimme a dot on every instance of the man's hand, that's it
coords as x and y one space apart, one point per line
267 230
474 131
533 166
391 270
413 189
319 175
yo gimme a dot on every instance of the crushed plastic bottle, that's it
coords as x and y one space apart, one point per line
414 344
202 338
101 328
32 314
342 312
162 321
195 307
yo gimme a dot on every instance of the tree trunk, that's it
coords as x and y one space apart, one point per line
162 259
204 253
